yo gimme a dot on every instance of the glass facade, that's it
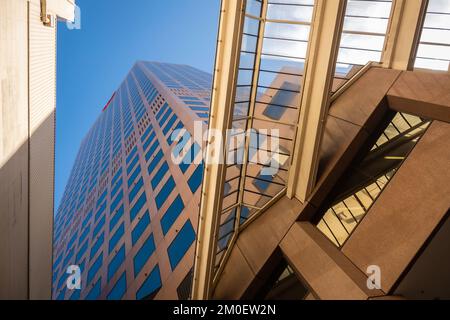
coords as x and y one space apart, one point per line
273 52
129 213
434 47
363 37
364 181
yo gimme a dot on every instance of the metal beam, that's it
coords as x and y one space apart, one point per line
221 111
319 72
404 34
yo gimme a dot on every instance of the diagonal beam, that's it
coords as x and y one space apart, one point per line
321 62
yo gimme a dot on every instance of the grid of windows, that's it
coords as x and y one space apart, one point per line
274 49
109 196
434 47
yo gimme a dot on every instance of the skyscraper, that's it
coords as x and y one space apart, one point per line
129 213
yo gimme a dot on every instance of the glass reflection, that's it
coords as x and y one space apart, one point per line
364 181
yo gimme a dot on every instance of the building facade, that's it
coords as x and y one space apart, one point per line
359 207
27 134
129 214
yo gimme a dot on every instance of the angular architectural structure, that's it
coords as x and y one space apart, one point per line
129 214
360 91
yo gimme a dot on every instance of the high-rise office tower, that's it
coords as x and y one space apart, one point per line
129 213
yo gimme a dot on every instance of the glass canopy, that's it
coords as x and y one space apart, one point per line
267 99
273 54
366 24
434 47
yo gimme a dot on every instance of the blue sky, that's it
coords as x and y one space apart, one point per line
93 61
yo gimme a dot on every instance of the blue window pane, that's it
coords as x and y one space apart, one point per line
165 117
82 251
68 257
72 240
97 245
149 140
116 176
57 261
119 289
275 111
116 237
181 244
132 164
170 124
262 182
95 291
150 285
117 201
146 133
152 150
159 175
100 211
86 219
188 98
203 115
138 206
61 296
245 211
102 197
172 214
140 227
98 227
155 162
135 190
116 188
116 262
163 109
164 193
61 280
116 218
194 103
131 155
134 176
205 109
75 295
195 180
95 267
144 253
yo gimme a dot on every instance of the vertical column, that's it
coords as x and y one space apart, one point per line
404 34
13 150
231 19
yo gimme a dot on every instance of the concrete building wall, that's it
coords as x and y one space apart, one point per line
13 149
27 106
42 73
